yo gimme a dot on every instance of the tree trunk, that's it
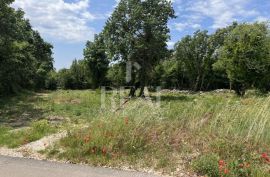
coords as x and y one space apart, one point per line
202 82
142 92
133 89
132 92
239 89
196 85
132 85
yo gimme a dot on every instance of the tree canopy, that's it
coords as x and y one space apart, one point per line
234 57
25 58
97 61
137 32
245 56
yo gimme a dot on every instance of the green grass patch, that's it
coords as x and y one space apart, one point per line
207 165
37 130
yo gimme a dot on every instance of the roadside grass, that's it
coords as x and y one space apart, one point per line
188 132
29 116
15 138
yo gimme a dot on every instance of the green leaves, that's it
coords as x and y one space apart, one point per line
245 55
137 31
193 53
23 53
97 61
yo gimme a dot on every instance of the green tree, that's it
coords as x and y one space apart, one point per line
137 32
80 74
218 77
77 77
51 81
44 60
96 61
19 64
192 52
65 79
116 75
245 57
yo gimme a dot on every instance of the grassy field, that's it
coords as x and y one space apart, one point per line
213 133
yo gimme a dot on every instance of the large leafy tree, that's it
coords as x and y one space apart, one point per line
245 56
193 53
44 62
194 57
7 29
137 32
96 61
21 51
217 76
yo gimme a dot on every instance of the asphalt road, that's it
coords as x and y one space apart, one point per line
19 167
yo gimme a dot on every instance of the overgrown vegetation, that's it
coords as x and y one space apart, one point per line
181 133
235 57
190 132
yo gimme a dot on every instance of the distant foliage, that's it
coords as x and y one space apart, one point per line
193 54
51 81
236 57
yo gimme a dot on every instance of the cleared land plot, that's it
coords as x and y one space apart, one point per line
213 133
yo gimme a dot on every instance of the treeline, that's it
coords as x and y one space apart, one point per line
25 58
236 57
